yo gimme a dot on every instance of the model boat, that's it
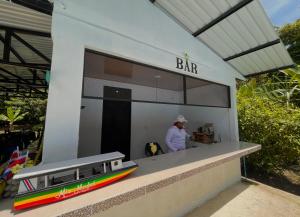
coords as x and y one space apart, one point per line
53 182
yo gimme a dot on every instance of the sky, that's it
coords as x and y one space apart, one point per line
282 11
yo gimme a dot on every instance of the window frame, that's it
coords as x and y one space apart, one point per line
158 68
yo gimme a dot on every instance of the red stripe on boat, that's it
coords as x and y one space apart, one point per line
66 196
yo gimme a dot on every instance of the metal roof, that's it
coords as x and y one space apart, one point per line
239 31
25 47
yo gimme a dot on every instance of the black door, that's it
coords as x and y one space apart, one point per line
116 121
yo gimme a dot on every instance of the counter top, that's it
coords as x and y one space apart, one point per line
153 173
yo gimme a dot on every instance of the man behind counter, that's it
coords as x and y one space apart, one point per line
176 135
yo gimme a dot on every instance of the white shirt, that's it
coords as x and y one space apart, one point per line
175 139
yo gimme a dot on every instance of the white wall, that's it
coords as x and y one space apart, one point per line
149 123
133 29
94 87
90 127
198 116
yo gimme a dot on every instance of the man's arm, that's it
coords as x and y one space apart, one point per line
169 140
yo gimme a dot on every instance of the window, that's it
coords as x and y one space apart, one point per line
200 92
146 83
149 84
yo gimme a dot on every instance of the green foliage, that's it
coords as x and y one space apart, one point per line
35 108
282 87
12 116
266 121
290 35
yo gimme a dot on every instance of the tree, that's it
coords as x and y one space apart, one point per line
12 116
265 121
35 108
290 36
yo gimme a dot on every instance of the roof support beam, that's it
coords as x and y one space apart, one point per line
31 47
43 6
5 81
12 50
7 45
21 79
27 65
33 71
23 96
251 50
222 17
26 31
5 78
27 79
271 70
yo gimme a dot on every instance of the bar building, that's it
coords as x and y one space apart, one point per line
122 71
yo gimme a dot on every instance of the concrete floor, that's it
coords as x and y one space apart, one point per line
250 199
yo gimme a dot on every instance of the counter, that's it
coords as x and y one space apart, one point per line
154 173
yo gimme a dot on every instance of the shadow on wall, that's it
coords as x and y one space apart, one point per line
215 204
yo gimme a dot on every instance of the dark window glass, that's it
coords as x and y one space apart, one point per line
200 92
146 83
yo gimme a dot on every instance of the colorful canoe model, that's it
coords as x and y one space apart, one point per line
54 182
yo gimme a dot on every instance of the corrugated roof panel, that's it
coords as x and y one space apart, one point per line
180 17
241 65
28 55
205 16
246 40
258 61
227 39
221 5
13 58
262 20
14 15
251 61
243 32
234 36
185 9
252 27
43 44
284 56
278 61
210 40
232 2
265 58
211 9
218 44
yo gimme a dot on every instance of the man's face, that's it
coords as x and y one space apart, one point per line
179 125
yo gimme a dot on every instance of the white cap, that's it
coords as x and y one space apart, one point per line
180 119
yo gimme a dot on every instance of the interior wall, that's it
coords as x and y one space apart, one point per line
90 127
197 116
150 123
94 87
